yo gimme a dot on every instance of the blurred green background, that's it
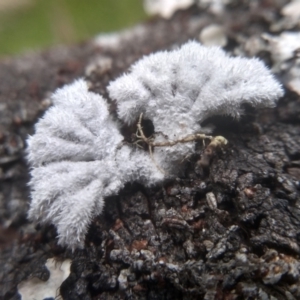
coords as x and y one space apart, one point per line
35 24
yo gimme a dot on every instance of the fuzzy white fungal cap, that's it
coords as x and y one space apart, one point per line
77 153
72 155
78 158
178 90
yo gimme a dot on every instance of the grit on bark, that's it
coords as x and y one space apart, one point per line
226 231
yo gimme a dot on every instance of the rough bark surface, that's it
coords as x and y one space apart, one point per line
230 231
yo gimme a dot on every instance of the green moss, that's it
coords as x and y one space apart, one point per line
52 22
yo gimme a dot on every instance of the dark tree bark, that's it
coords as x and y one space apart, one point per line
230 231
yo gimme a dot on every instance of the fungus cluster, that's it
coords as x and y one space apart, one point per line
78 155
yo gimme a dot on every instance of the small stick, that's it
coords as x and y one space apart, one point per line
217 141
189 138
142 136
140 130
